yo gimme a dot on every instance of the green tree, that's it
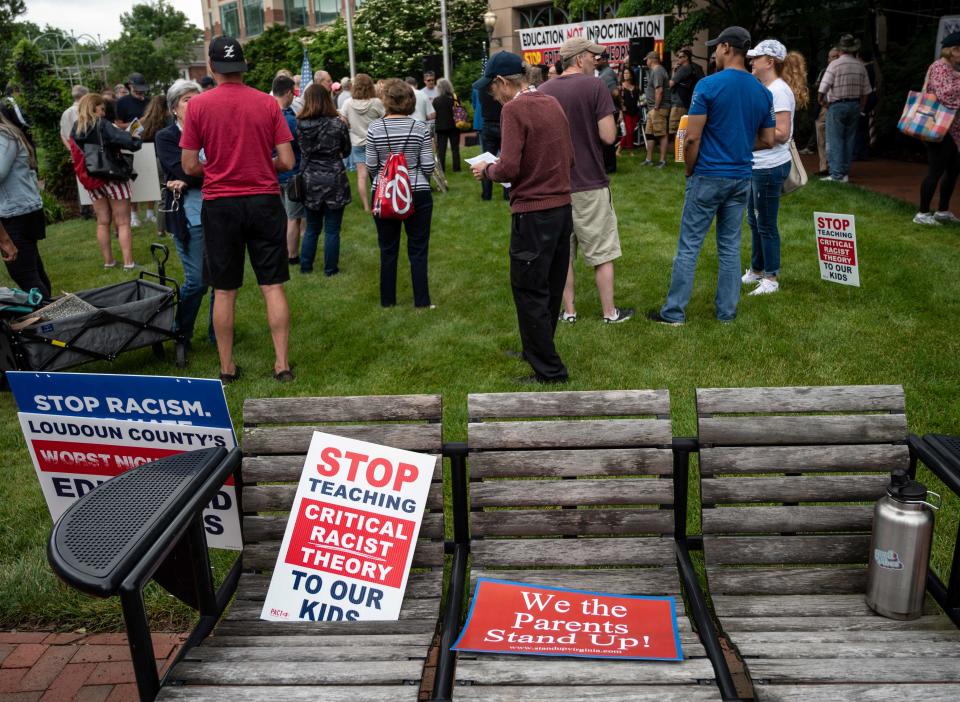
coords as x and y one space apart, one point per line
9 34
155 37
276 48
44 97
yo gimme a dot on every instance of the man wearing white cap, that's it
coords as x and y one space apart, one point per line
589 108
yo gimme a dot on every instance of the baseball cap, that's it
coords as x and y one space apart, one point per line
502 63
137 82
226 55
207 82
951 40
737 37
577 45
769 47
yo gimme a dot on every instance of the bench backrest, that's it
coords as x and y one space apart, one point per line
276 436
571 479
789 477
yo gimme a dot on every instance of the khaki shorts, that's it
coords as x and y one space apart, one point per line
594 227
657 122
675 114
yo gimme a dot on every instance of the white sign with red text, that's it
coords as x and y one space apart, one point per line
352 531
837 248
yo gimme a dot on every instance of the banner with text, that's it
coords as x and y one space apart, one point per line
837 248
542 44
352 531
517 618
82 429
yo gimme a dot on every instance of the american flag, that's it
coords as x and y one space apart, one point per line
306 75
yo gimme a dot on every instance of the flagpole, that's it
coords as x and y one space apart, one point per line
348 6
446 43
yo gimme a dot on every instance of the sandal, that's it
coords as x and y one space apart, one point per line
110 265
568 318
284 376
227 378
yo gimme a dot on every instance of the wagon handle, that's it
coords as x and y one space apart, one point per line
160 254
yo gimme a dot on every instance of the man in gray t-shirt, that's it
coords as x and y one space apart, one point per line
658 108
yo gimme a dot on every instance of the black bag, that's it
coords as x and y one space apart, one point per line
295 188
109 165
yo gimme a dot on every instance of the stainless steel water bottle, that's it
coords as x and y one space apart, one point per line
900 549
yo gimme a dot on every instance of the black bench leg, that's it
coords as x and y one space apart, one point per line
141 645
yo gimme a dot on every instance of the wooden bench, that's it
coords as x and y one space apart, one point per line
250 659
789 477
573 489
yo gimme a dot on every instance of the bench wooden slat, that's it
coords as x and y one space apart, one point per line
538 671
571 522
281 469
257 528
420 585
839 398
834 429
736 550
570 463
279 498
574 552
859 693
246 610
892 648
605 693
824 488
291 693
263 556
372 408
348 651
735 625
622 581
590 403
296 440
803 459
788 581
799 606
532 493
908 636
259 627
316 640
756 520
584 433
298 673
889 670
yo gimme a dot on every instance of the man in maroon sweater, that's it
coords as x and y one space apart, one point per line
536 162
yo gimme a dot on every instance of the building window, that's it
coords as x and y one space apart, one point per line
253 17
547 15
229 20
296 13
326 10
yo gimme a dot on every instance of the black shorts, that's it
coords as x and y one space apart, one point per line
257 223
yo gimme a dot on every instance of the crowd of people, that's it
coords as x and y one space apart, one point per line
245 173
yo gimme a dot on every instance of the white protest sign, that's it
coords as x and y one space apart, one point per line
352 531
837 248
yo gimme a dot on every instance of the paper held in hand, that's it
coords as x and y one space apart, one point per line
351 534
485 157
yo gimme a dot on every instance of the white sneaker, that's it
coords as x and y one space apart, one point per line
134 220
150 216
766 287
831 179
750 277
945 217
926 218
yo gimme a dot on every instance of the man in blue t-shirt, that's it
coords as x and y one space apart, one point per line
282 91
730 116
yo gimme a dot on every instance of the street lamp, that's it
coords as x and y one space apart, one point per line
489 21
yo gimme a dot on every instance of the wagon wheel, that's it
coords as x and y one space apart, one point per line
180 350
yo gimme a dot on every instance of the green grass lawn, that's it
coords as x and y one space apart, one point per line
900 327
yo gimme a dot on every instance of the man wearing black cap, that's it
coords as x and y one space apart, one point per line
237 128
730 116
132 105
537 163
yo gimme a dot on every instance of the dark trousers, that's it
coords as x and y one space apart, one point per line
491 143
27 270
943 166
417 226
539 254
452 136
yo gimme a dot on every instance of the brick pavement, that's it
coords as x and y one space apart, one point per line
77 667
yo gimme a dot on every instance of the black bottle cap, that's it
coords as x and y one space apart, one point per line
905 490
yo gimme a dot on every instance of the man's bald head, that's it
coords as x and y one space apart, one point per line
323 78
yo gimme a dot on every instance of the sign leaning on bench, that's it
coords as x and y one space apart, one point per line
84 428
352 531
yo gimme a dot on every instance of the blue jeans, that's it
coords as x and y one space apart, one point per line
704 199
192 290
842 120
329 220
762 210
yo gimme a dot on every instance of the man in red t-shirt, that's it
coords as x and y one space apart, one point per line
237 129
